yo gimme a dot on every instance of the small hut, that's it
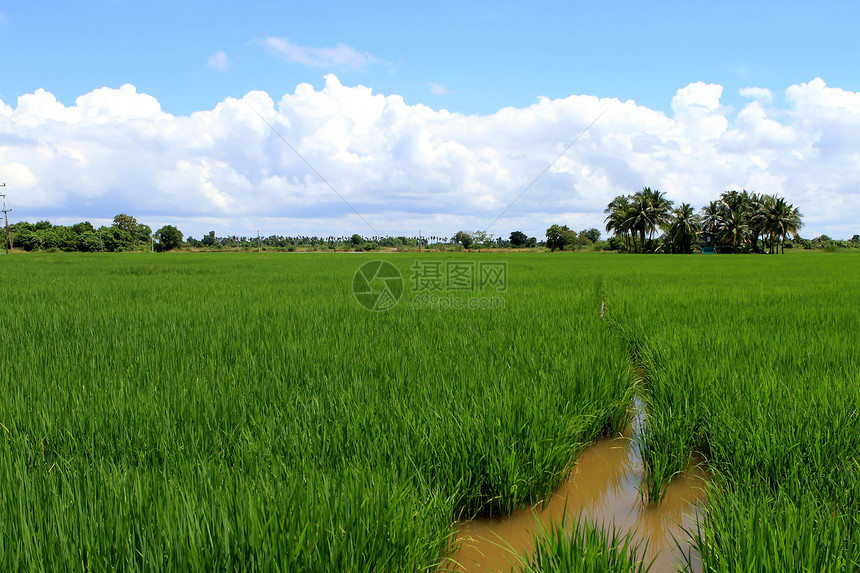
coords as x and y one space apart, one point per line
707 242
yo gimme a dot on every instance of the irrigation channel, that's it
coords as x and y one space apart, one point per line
603 487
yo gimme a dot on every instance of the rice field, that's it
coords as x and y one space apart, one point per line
243 411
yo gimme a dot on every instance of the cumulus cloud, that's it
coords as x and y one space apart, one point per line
408 167
761 94
218 61
338 56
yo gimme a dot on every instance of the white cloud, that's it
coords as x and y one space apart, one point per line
218 61
338 56
437 89
405 167
761 94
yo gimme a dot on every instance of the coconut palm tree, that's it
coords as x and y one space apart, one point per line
791 223
682 228
659 209
755 219
732 229
711 217
651 210
729 218
639 217
619 218
780 219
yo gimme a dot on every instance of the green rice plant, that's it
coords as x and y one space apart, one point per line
176 412
241 411
758 374
589 548
746 529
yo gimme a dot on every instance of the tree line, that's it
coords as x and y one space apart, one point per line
739 222
644 222
124 234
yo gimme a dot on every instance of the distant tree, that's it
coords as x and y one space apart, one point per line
116 239
482 239
682 229
208 239
560 236
169 238
583 239
140 233
143 233
518 239
531 242
616 243
592 234
638 215
729 219
90 242
856 239
780 220
356 239
650 210
464 238
80 228
619 219
738 220
125 222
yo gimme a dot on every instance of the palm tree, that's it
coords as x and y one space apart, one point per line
791 224
732 219
780 219
619 218
755 220
682 227
659 209
638 214
732 229
650 210
711 217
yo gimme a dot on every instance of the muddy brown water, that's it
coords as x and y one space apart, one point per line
603 487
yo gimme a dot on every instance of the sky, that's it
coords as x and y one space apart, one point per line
378 118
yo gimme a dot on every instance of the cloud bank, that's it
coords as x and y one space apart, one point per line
409 167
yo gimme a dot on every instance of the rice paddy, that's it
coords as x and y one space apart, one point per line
245 412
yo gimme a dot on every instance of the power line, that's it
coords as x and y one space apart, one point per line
8 242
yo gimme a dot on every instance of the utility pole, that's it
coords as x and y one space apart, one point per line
8 242
419 240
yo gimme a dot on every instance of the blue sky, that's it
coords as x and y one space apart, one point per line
487 55
760 95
